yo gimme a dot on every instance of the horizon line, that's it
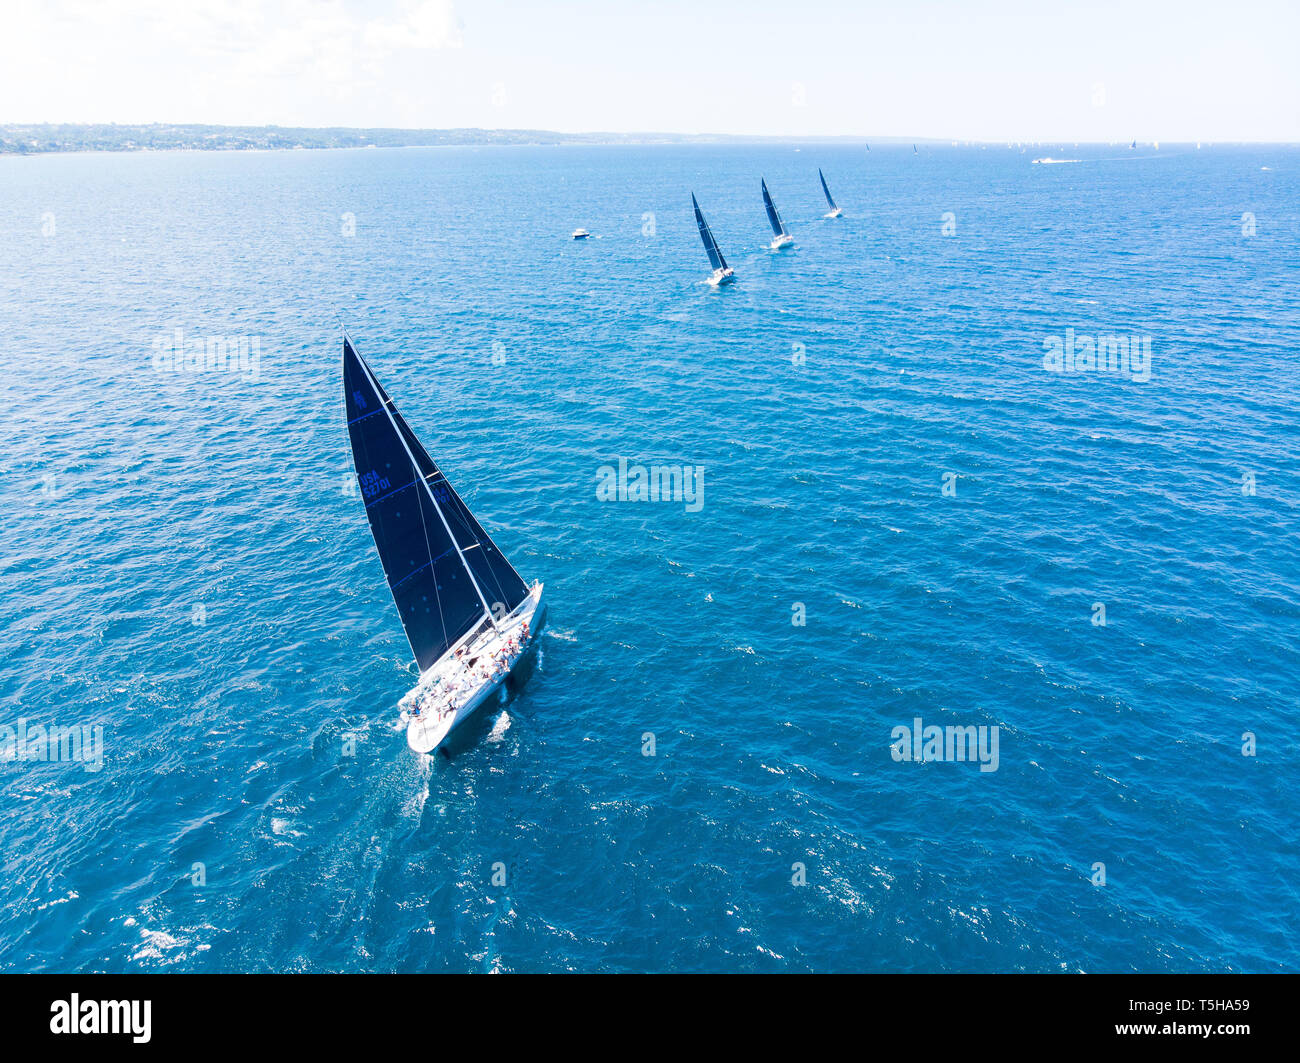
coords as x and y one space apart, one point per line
7 126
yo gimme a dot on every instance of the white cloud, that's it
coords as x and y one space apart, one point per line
424 24
132 60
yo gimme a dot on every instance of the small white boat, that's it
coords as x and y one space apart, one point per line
468 615
722 273
781 237
580 234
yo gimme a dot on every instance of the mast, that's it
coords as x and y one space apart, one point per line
415 468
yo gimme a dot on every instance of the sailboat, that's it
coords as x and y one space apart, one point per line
835 211
468 615
722 273
780 236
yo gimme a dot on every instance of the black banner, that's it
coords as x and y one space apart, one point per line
886 1013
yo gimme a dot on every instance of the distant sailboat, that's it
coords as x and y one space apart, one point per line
468 615
580 234
722 273
1133 145
835 211
914 151
868 147
780 236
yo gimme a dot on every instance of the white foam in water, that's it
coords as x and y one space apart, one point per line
154 944
424 772
72 896
500 727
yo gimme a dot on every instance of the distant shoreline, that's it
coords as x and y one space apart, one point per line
52 139
44 139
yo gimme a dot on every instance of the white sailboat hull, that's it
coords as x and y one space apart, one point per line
719 277
781 242
836 213
452 690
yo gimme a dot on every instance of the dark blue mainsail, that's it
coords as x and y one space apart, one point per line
778 226
826 190
706 234
428 540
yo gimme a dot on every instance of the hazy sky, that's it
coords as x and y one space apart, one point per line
996 70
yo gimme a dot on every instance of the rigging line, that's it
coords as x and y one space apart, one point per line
509 564
419 474
439 479
466 521
465 513
425 477
433 572
478 590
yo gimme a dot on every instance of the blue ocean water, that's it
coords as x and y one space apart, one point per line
186 564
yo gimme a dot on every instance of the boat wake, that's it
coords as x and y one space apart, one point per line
414 806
